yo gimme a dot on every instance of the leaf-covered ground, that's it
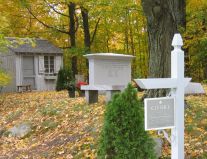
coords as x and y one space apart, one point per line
195 128
69 128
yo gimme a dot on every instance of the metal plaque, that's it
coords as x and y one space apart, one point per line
159 113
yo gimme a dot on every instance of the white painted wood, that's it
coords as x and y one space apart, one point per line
177 83
41 64
166 135
108 71
18 70
194 88
159 83
36 61
28 71
7 63
109 56
177 41
101 87
58 63
91 71
13 63
177 71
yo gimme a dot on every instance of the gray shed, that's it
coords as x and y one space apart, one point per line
36 65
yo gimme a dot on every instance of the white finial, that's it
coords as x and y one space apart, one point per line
177 41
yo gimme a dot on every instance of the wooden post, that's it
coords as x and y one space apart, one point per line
177 83
177 71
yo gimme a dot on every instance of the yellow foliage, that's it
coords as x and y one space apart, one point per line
4 79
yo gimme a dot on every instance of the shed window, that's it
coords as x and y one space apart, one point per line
49 64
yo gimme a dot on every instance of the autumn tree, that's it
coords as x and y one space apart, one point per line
164 19
196 39
70 30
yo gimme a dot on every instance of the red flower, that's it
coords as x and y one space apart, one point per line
79 84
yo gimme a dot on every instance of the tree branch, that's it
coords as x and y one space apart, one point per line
46 25
56 11
95 30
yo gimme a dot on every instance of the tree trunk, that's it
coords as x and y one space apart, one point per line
126 33
87 39
205 70
71 7
163 18
87 42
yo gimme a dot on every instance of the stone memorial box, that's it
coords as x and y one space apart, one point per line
107 71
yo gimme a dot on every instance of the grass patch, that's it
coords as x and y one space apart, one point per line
50 110
80 107
49 124
14 115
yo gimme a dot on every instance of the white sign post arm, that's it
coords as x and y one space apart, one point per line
160 83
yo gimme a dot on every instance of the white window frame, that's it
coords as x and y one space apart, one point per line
49 73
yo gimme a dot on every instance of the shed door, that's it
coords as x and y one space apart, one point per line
28 71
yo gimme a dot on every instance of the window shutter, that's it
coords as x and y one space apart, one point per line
58 63
41 64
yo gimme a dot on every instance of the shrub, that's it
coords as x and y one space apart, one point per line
205 81
64 77
4 78
123 135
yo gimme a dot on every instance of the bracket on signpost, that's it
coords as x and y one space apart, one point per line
159 132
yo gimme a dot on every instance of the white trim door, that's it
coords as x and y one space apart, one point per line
28 71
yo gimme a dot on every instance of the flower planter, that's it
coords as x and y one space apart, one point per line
78 87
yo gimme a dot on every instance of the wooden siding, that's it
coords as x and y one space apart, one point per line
8 64
13 63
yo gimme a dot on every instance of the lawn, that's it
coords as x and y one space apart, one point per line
69 128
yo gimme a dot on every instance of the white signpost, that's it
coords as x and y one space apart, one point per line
176 83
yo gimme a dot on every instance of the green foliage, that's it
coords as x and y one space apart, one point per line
50 110
71 86
195 39
64 78
24 3
14 115
123 135
3 43
49 124
4 78
75 51
205 81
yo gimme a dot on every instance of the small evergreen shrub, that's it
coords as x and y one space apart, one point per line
64 78
123 135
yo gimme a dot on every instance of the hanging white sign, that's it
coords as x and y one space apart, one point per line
159 113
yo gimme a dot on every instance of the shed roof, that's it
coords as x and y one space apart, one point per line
34 45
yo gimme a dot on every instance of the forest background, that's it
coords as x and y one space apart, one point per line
91 26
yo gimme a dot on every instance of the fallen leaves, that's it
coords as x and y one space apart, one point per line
64 127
